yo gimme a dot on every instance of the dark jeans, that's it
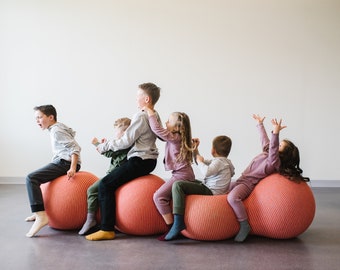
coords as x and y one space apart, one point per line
46 174
133 168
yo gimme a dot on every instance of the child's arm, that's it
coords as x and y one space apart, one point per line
73 168
273 156
263 134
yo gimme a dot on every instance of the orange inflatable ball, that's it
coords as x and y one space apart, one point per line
136 213
209 218
277 208
66 200
280 208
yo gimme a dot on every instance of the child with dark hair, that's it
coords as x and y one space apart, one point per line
217 176
65 160
276 157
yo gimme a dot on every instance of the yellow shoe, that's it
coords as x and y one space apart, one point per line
101 235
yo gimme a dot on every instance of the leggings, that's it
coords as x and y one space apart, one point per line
239 192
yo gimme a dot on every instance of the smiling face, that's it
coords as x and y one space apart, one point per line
43 120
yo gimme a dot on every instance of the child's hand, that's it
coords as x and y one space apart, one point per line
148 109
95 141
258 118
277 126
71 172
199 158
195 142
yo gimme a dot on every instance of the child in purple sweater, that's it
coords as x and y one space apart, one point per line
282 157
178 158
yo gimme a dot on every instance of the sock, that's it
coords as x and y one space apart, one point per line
176 228
162 237
89 223
30 218
41 220
101 235
243 232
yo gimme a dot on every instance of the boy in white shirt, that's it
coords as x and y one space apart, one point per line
217 176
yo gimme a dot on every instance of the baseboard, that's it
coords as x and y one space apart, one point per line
12 180
324 183
313 183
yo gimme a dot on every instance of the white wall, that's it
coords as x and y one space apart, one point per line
217 60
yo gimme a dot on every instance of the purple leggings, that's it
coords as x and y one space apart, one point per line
239 192
163 195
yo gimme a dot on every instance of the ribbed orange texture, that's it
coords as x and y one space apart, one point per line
136 213
277 208
66 200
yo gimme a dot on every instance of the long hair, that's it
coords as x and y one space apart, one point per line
183 127
290 163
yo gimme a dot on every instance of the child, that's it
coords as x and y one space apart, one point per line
276 157
141 160
217 175
117 158
66 160
178 158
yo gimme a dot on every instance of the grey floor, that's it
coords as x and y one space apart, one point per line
317 248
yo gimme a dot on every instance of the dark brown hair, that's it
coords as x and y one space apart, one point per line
290 163
222 145
47 110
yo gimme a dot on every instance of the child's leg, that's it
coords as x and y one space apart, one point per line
92 206
130 170
179 190
163 195
33 182
162 199
235 198
40 222
30 218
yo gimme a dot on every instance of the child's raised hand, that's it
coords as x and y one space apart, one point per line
258 118
95 141
277 127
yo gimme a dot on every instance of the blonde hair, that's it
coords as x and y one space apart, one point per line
122 123
183 127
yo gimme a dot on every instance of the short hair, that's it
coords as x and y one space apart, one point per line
222 145
122 123
152 90
47 110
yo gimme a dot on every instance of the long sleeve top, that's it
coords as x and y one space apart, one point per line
63 142
138 136
217 174
117 158
265 163
172 146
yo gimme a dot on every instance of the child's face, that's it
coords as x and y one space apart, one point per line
282 146
43 120
142 99
171 123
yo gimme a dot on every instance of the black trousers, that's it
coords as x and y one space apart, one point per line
133 168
